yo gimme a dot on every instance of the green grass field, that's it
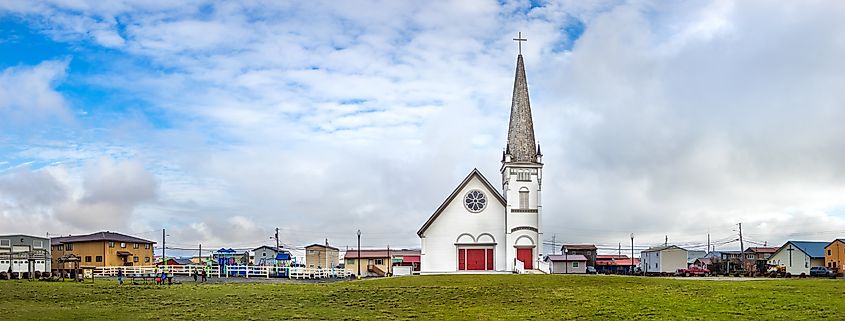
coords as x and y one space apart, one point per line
462 297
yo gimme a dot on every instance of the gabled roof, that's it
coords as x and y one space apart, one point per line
323 246
99 236
834 241
473 173
663 247
758 249
273 248
566 258
813 249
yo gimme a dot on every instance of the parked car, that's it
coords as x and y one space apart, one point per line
821 271
591 270
693 271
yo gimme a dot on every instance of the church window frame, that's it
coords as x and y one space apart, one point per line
475 201
523 175
523 198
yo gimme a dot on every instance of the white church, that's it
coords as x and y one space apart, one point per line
479 229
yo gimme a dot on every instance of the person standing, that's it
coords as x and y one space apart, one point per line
203 276
119 276
195 275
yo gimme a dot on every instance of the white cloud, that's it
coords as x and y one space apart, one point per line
28 93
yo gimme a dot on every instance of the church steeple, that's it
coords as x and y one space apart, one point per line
521 144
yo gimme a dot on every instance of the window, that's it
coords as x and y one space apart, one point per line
69 247
828 252
379 261
99 258
135 245
574 264
749 256
523 198
122 245
38 244
5 243
146 246
475 201
111 244
88 258
806 264
134 259
147 259
263 253
523 175
350 261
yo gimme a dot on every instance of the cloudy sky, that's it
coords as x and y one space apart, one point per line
221 121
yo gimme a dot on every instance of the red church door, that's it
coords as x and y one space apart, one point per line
475 259
526 255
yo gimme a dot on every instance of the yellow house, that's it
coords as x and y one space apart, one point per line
321 256
834 255
103 249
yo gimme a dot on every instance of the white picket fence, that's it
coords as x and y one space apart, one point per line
247 271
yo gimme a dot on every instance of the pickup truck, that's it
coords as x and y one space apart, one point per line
693 271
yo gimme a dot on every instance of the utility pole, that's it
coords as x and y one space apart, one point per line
554 245
327 253
632 254
620 249
708 242
277 239
200 253
389 259
359 253
666 242
741 247
163 247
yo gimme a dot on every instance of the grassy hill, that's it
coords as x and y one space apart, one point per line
461 297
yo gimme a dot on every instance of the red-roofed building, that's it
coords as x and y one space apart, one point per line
615 264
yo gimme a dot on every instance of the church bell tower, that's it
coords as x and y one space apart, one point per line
522 177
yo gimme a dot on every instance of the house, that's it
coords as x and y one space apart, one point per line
692 255
321 256
799 256
711 263
480 228
587 250
270 256
380 262
102 249
834 255
615 264
567 264
24 253
728 261
756 258
663 259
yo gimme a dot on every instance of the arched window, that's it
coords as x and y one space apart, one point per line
523 198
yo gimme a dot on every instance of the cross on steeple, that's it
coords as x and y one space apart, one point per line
519 41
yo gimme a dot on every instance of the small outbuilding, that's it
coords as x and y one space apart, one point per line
567 264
